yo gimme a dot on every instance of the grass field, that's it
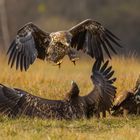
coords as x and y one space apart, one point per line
48 81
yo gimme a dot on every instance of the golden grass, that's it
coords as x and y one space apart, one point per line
48 81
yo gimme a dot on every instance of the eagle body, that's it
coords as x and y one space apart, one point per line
57 109
59 46
16 102
88 36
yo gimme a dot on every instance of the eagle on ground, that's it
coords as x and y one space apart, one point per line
16 102
88 36
128 102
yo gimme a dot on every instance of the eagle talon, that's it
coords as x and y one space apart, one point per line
59 63
59 66
74 62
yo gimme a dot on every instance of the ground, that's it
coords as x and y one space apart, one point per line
45 80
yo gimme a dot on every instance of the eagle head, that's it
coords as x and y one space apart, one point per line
62 37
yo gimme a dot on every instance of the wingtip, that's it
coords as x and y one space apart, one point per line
7 52
106 63
96 65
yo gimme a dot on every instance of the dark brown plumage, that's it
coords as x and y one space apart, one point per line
128 102
31 43
16 102
124 104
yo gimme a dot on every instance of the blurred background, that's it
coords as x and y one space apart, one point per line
121 17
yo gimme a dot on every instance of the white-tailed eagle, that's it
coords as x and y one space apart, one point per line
31 42
17 102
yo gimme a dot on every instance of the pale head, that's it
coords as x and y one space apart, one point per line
62 37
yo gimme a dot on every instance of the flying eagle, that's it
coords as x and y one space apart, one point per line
128 102
16 102
31 42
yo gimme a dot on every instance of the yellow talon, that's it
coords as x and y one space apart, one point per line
59 63
74 60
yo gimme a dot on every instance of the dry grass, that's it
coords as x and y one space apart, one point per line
48 81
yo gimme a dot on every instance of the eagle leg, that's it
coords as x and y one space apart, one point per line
59 63
72 56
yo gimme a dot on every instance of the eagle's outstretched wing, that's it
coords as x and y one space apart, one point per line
91 37
16 102
104 91
30 43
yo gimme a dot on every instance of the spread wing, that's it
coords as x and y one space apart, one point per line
17 102
104 90
91 37
30 43
34 106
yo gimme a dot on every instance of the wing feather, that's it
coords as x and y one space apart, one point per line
88 43
105 47
8 100
110 33
30 43
18 60
104 89
100 38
